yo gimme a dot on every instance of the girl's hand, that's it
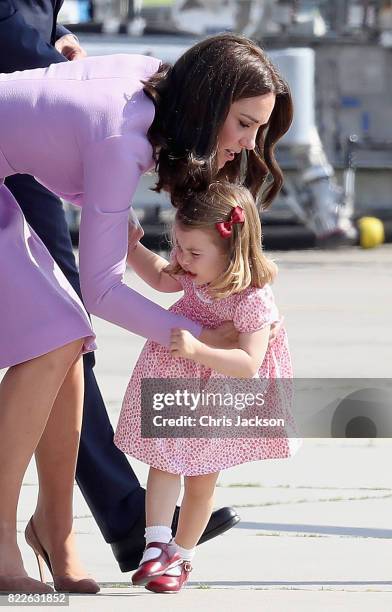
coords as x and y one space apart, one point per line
183 344
225 336
275 329
135 231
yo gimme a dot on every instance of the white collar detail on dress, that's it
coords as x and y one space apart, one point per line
202 293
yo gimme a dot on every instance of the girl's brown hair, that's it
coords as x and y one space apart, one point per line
247 266
192 100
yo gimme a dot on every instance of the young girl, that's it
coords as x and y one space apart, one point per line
217 261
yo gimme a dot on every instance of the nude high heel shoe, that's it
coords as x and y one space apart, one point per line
23 584
62 584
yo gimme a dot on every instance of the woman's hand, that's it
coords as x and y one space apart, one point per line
225 336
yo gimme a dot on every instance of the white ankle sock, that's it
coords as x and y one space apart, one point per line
156 533
187 554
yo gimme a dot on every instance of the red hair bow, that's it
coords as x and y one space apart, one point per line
225 228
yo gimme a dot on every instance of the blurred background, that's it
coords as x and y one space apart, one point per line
336 56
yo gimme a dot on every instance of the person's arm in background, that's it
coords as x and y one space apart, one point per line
68 44
61 31
22 47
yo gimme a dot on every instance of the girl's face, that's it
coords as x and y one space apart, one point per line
242 123
199 254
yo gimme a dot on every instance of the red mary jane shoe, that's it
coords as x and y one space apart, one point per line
164 560
170 584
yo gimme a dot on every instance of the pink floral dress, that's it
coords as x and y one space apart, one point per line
250 310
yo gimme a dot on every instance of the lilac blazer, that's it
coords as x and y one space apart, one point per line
80 128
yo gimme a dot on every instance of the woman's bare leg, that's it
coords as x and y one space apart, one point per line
27 393
195 509
56 457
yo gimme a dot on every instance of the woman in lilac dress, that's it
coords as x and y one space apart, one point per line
88 130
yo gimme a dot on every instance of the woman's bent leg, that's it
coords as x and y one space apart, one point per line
56 456
27 394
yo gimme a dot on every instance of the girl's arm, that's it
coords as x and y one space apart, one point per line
150 267
243 362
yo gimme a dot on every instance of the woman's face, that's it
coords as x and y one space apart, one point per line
243 121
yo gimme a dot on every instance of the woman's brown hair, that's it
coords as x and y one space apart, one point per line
247 266
192 100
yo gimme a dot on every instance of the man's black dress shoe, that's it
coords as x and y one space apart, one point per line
129 550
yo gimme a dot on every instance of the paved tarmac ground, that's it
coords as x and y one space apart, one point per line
315 531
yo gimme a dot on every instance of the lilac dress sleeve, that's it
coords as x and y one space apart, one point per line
112 169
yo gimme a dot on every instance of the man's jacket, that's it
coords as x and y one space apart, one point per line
28 31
